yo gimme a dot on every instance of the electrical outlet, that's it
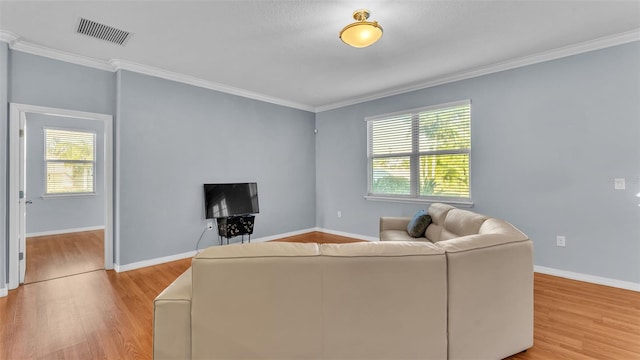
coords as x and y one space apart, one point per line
561 241
209 225
339 214
619 183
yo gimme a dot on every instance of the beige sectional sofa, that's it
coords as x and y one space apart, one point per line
462 292
489 280
278 300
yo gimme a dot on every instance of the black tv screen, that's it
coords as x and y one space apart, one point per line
222 200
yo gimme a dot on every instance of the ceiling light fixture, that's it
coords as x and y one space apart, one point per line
361 33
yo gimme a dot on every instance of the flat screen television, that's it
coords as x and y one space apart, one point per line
237 199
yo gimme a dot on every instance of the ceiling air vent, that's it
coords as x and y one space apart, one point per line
102 32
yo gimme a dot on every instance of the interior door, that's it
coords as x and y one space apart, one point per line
22 217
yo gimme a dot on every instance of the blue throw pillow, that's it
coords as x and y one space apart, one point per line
418 225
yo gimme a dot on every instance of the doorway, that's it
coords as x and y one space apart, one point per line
17 183
64 196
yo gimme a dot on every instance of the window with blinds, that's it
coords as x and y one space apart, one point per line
421 153
69 158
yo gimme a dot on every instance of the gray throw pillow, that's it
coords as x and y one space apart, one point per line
418 225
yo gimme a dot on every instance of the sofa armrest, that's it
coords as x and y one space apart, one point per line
492 272
172 320
394 223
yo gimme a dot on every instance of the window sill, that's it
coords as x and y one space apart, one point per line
458 203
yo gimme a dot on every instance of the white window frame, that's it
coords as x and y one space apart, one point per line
93 162
414 156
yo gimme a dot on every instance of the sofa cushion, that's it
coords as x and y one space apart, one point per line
418 224
381 249
398 235
260 250
498 226
461 223
438 213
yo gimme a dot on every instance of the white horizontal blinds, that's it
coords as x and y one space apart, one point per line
444 146
391 136
70 161
391 145
423 153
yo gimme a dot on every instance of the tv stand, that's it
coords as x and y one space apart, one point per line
232 226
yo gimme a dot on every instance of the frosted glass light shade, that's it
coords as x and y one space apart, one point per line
361 33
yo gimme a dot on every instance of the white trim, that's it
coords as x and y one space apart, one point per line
190 80
35 49
14 186
628 285
16 43
8 37
464 204
152 262
16 112
575 49
539 269
165 259
346 234
4 291
65 231
188 254
113 65
280 236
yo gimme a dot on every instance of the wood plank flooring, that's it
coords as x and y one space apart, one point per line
108 315
94 315
54 256
319 237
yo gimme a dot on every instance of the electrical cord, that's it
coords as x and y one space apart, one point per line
200 239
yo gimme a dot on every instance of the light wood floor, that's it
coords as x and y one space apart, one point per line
103 314
54 256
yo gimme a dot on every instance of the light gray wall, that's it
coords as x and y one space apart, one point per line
37 80
547 142
61 213
173 138
4 147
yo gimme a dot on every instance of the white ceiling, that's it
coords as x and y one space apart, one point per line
289 52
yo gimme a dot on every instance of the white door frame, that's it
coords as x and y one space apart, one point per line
17 231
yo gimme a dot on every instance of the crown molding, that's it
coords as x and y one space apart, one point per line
575 49
16 43
190 80
8 37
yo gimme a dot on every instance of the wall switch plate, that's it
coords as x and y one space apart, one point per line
619 183
339 214
209 225
561 241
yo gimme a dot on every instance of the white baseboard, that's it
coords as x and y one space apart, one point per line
346 234
628 285
4 291
280 236
151 262
189 254
65 231
540 269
